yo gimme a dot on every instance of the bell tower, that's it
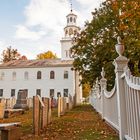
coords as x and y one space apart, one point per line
71 29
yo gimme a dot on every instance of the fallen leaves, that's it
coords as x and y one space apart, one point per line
81 123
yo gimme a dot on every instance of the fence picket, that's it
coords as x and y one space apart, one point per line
128 99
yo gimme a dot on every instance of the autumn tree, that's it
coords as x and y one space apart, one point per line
46 55
94 47
10 54
23 57
86 90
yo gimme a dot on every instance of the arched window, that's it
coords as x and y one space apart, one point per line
2 76
70 19
75 32
39 75
70 53
67 20
52 75
70 31
66 32
26 75
66 52
65 74
14 76
74 20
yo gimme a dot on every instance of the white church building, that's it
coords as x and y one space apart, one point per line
49 77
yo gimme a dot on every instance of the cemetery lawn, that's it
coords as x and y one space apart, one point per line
81 123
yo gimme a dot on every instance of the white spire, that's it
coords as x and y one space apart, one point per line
71 5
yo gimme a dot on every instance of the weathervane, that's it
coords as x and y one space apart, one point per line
71 5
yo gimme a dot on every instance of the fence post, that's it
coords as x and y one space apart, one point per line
103 86
120 65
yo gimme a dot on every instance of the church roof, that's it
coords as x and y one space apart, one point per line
36 63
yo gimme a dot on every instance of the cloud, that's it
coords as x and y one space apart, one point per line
3 44
45 20
24 33
46 13
93 3
86 7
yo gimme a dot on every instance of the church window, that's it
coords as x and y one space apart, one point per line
13 91
52 75
14 76
70 19
66 53
1 92
67 20
70 53
75 32
39 75
51 93
70 31
58 94
74 20
65 74
26 75
66 32
2 76
65 93
38 92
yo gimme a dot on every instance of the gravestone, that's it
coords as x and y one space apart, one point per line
21 102
59 106
36 116
30 102
10 131
49 111
12 102
2 106
44 116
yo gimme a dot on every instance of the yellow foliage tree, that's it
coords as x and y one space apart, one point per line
46 55
86 90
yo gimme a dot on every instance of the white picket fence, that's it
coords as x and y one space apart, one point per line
121 106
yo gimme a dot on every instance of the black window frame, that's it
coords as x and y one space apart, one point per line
1 92
38 92
66 75
51 93
65 92
39 75
13 92
52 75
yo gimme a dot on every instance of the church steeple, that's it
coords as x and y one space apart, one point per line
71 5
71 18
70 31
71 28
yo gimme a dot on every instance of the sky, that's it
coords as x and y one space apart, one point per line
36 26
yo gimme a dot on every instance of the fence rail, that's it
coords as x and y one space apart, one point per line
121 106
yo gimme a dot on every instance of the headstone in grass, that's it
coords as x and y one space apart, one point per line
2 107
21 102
